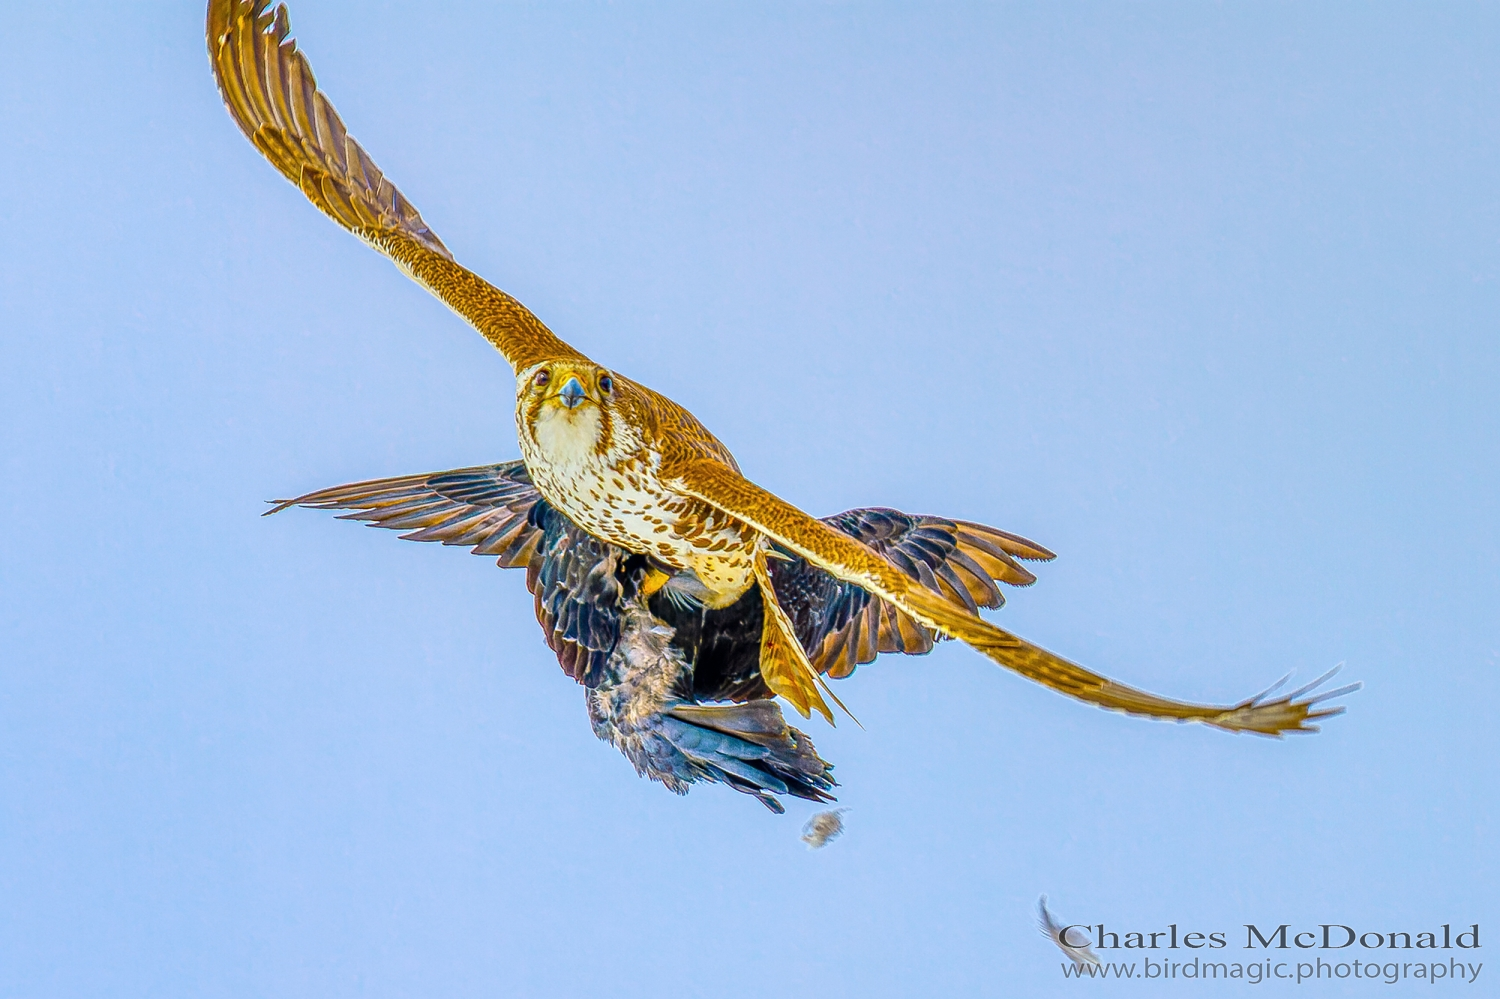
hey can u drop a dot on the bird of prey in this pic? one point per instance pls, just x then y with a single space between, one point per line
625 466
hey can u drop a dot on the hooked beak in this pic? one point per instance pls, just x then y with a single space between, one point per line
571 393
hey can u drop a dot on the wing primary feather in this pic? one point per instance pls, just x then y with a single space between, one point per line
1011 544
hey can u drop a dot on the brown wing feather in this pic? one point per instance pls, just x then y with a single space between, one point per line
487 508
270 92
847 559
783 663
843 626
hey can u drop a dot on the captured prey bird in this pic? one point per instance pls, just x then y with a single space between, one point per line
630 469
652 657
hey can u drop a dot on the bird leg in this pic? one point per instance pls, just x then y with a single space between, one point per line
653 580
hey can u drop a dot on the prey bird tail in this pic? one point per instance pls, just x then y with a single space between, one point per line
635 704
269 89
841 556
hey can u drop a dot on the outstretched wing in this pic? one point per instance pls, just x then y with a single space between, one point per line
487 507
842 626
725 490
495 510
269 89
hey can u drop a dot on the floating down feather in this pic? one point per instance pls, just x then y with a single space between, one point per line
823 828
1075 947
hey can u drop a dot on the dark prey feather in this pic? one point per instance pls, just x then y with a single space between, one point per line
651 664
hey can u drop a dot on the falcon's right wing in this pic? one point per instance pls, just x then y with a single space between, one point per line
269 89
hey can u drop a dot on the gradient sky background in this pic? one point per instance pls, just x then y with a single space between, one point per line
1203 298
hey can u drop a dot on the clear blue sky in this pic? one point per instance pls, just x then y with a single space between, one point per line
1204 298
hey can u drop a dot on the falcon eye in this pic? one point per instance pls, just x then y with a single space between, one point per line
606 384
542 378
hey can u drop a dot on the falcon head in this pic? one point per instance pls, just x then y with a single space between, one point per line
568 408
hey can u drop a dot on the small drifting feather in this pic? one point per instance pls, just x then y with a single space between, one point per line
822 828
1079 954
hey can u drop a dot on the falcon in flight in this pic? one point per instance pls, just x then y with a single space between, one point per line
640 534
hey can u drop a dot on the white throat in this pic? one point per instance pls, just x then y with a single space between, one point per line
568 438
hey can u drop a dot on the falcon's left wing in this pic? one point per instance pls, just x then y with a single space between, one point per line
725 490
843 626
